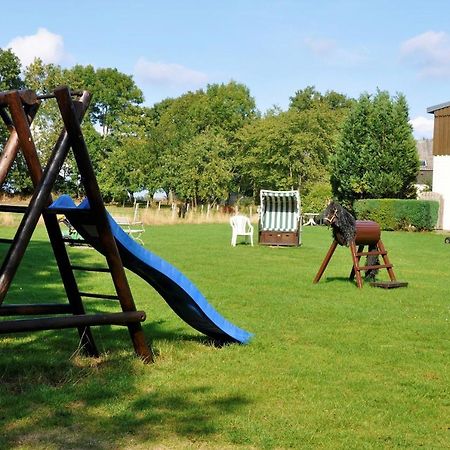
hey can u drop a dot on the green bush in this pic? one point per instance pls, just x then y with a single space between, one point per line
398 214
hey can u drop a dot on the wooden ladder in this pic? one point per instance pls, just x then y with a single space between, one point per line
373 250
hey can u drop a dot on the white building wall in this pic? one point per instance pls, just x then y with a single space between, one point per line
441 185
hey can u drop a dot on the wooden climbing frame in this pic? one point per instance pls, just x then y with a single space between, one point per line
17 110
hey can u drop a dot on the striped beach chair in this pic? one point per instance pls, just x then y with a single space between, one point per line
279 218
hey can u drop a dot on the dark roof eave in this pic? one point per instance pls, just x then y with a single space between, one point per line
432 109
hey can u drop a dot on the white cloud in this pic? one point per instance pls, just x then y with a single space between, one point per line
422 127
429 52
44 44
329 51
168 74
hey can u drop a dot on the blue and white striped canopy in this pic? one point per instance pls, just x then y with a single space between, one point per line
280 210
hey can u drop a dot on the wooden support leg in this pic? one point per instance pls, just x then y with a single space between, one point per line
356 270
386 260
325 261
87 342
358 258
12 146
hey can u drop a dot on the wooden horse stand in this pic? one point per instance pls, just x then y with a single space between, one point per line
367 233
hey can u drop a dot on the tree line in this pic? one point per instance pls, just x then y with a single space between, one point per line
213 144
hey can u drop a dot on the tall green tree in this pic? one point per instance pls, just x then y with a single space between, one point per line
376 155
285 150
204 170
187 122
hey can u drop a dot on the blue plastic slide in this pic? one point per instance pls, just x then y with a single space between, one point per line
176 289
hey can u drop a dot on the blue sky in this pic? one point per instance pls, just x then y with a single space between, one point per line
274 47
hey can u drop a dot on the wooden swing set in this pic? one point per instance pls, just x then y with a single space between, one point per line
17 110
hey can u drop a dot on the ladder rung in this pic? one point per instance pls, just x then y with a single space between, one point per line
380 266
6 241
104 296
373 252
91 269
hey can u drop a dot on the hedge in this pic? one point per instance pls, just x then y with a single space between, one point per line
398 214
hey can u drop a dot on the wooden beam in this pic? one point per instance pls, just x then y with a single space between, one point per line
58 323
27 97
41 308
12 146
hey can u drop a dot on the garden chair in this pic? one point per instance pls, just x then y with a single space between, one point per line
133 228
241 227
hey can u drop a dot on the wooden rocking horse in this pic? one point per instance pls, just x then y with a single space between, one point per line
352 233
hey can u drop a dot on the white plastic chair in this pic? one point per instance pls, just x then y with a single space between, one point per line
241 227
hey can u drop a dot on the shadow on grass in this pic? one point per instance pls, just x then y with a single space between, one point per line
342 280
50 396
49 401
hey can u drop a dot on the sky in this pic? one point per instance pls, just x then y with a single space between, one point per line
273 47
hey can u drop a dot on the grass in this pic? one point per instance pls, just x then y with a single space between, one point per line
330 366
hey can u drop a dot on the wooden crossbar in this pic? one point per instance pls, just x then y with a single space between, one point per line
29 309
103 296
374 253
91 269
58 323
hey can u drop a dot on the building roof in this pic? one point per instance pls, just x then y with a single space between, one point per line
434 108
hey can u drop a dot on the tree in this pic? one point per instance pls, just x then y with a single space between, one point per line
376 155
309 98
186 123
9 71
124 170
114 92
288 149
204 171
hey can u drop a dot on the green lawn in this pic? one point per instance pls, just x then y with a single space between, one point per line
330 366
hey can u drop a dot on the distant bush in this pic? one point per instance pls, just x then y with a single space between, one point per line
398 214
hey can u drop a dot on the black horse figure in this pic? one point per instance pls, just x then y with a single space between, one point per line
342 223
344 227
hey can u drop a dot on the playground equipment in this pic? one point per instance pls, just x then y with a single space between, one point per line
279 218
350 232
17 110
